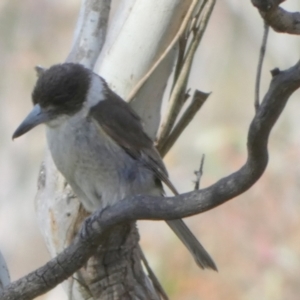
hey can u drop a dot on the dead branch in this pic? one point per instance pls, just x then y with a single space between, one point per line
199 174
259 66
197 101
176 99
278 18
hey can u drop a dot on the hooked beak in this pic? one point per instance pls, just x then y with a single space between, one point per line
35 117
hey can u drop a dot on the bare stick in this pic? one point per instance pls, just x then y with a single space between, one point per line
152 276
197 101
182 43
175 102
260 64
199 174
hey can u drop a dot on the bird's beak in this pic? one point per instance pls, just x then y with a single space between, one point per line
35 117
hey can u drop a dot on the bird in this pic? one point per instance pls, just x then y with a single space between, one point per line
98 143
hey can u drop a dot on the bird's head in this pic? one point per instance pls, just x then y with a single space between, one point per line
60 91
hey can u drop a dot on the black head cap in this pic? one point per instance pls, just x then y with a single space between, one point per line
62 88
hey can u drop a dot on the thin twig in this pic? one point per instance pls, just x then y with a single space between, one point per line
199 174
180 58
164 54
152 276
260 64
175 102
197 101
182 43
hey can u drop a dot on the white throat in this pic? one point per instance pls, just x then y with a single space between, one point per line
97 91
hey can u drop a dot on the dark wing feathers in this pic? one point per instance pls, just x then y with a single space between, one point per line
124 126
156 164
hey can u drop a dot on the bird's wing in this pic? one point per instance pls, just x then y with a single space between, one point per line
124 126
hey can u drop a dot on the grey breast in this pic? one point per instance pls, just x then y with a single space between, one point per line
99 171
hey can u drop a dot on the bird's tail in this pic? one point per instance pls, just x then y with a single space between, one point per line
200 255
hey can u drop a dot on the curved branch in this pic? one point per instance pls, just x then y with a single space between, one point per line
278 18
145 207
262 53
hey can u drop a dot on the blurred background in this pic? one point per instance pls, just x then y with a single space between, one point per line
254 239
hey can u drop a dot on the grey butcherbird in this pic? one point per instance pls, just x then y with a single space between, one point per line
98 143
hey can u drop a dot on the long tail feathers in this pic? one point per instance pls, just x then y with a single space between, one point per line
200 255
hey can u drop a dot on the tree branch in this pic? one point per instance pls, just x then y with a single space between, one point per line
176 99
197 101
259 66
278 18
199 174
98 225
